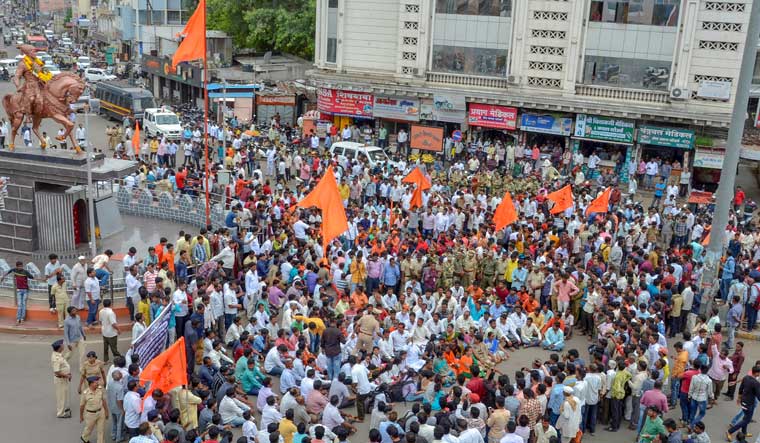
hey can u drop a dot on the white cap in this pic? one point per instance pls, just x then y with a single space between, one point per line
82 257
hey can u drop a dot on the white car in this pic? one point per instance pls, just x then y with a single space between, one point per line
97 75
53 68
162 122
83 62
372 154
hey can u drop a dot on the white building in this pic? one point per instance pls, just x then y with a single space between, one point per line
631 79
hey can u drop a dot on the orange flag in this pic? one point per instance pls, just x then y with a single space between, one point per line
136 139
601 204
562 198
326 197
193 47
505 213
418 178
168 370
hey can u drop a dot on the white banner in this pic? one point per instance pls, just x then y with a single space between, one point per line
153 340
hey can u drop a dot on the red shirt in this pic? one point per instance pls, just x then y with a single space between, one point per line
477 386
686 380
180 177
739 197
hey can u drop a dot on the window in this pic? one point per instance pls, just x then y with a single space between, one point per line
474 61
332 3
489 8
635 12
756 71
626 72
332 49
173 17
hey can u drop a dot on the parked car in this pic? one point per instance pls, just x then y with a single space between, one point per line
83 62
97 75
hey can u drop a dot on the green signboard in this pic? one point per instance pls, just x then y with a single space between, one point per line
670 137
611 129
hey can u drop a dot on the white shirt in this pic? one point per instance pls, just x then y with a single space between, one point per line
229 408
137 330
108 320
180 299
360 376
250 431
270 414
331 417
472 435
230 298
133 287
132 409
92 287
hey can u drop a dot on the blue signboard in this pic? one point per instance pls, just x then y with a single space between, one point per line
546 124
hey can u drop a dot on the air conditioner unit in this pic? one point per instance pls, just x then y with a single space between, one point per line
416 71
513 79
680 94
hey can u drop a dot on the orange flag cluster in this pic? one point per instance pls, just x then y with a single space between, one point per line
326 197
601 204
193 47
562 198
505 213
168 370
418 178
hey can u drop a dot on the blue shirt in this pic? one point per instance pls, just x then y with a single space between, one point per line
729 268
556 398
229 221
207 374
391 274
519 275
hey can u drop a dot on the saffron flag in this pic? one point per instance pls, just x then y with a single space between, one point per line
505 213
193 47
326 197
418 178
168 370
136 139
562 198
601 204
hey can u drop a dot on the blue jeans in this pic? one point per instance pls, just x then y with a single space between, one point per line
749 411
117 423
228 319
675 389
333 366
237 422
751 316
92 311
313 343
275 372
588 424
698 409
253 391
725 285
685 406
103 276
21 295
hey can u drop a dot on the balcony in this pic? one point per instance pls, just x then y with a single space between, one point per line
632 95
467 80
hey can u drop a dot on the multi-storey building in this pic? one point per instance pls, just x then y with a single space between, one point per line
627 79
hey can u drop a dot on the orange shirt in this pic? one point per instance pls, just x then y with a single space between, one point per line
358 301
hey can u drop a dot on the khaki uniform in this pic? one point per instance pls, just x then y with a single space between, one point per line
92 369
488 269
62 301
447 274
470 267
59 363
416 268
368 326
406 271
94 415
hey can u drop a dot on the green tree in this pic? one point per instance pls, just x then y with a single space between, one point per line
295 30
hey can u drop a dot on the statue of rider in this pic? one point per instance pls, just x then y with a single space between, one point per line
31 69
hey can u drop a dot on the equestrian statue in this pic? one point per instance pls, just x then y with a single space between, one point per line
42 95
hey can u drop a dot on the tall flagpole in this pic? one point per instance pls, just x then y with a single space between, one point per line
205 124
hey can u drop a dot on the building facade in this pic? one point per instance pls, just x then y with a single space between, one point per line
629 79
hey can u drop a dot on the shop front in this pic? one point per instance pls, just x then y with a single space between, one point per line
395 114
449 111
666 145
708 162
609 138
492 123
546 130
279 106
173 85
346 107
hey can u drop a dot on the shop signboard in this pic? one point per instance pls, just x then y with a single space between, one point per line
449 108
546 124
716 90
407 109
669 137
708 159
348 103
492 116
427 138
276 100
594 127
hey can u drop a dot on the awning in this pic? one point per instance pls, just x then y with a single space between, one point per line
231 95
601 141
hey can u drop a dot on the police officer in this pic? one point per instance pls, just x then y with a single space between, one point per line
61 380
93 410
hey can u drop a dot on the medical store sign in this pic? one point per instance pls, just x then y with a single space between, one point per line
669 137
492 116
594 127
342 102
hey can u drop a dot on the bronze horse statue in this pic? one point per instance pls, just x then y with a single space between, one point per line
58 94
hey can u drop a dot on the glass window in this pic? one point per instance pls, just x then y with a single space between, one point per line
483 8
332 3
626 72
332 47
475 61
635 12
173 17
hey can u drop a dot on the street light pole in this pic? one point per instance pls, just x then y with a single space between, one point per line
724 194
90 193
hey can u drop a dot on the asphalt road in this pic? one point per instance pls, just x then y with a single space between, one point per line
30 398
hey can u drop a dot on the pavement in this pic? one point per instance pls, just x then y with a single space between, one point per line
29 389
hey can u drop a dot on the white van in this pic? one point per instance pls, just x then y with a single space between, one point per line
10 64
161 122
372 154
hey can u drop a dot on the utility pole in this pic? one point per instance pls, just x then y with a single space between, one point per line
89 151
725 193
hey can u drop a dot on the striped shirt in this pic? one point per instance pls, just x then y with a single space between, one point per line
701 388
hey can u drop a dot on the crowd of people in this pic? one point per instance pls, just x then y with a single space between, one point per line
410 317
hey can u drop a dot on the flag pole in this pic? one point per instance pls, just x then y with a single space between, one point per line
205 125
